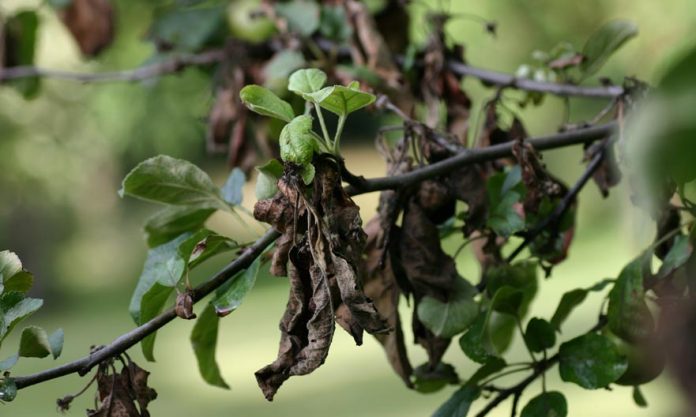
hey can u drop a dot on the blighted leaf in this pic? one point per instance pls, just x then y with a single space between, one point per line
34 343
173 221
91 23
638 397
591 361
8 389
571 299
183 307
604 42
20 41
427 379
302 15
628 314
204 341
56 341
342 100
296 141
546 404
187 29
447 319
304 82
232 190
230 296
262 101
505 192
267 180
164 179
540 335
677 256
459 403
492 365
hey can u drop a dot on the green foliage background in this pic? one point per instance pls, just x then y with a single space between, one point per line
63 156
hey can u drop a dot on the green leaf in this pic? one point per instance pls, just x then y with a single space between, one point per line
232 190
474 342
628 314
305 82
8 363
676 257
21 34
296 141
591 361
508 300
540 335
427 379
638 397
163 266
12 276
505 191
262 101
267 180
34 343
279 67
8 389
188 29
302 16
459 403
56 341
571 299
208 245
204 341
493 364
308 172
173 221
546 404
230 296
447 319
604 42
342 100
152 303
164 179
15 308
334 23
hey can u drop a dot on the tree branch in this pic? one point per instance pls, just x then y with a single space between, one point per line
467 157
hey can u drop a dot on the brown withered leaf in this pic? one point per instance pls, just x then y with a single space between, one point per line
118 393
91 23
184 306
468 184
608 174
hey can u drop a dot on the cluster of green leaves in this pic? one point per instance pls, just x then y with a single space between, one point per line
298 140
15 306
564 63
179 242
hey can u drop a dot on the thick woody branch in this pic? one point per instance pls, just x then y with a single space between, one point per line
468 157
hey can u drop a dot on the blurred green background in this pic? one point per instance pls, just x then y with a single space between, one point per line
63 156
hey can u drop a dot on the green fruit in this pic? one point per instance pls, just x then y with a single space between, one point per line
246 23
644 363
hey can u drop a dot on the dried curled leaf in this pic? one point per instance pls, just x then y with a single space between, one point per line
91 22
124 394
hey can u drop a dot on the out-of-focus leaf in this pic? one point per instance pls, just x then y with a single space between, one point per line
173 221
20 47
302 15
474 342
638 397
34 343
296 141
591 361
676 257
546 404
508 300
267 180
571 299
505 191
604 42
452 317
262 101
628 314
91 23
540 335
334 23
188 29
428 380
492 365
459 403
204 341
8 363
232 190
230 296
56 341
278 69
164 179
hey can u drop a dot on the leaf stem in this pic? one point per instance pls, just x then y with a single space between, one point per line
519 327
324 130
339 131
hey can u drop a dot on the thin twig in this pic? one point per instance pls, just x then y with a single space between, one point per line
122 343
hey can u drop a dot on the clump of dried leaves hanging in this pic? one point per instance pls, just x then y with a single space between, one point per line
320 251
